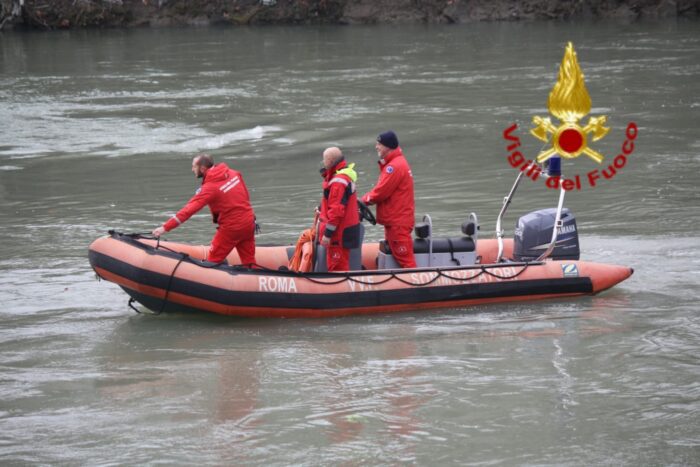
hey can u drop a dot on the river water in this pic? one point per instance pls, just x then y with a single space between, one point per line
98 129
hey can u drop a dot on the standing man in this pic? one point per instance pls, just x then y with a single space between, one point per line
224 191
340 222
393 195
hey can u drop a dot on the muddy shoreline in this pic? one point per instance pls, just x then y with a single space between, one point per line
75 14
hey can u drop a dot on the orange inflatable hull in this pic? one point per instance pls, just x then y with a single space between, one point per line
172 277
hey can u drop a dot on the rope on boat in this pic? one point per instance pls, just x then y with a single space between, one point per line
130 304
132 300
439 273
183 257
346 276
170 282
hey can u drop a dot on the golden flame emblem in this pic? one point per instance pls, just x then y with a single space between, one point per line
569 101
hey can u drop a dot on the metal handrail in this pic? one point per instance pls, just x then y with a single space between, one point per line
556 228
429 221
506 203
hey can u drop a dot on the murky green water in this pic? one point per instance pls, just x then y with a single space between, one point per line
98 129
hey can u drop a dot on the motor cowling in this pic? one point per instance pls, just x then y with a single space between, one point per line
533 234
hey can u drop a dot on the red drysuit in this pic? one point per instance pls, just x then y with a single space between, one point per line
224 190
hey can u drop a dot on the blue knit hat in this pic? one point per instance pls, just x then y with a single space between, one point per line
388 139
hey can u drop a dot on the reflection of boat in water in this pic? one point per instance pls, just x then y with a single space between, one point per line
540 262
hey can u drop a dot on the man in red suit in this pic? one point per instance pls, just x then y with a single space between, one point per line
225 192
340 223
393 195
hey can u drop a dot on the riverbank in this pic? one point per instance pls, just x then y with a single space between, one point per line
70 14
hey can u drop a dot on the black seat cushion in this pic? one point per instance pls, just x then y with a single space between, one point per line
445 245
440 245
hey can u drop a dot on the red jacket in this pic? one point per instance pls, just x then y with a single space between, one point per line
339 215
224 190
393 193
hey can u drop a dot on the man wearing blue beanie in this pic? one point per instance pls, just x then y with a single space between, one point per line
393 195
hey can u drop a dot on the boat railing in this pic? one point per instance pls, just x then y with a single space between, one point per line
557 220
556 229
499 229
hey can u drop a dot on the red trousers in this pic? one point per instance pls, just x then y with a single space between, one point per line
226 239
337 258
401 244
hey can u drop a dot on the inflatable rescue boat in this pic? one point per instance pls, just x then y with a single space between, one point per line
541 261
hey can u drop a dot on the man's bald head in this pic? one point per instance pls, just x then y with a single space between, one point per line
205 160
331 157
201 163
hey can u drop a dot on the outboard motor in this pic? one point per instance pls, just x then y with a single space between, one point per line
533 234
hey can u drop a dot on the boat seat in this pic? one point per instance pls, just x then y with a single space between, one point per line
436 252
440 245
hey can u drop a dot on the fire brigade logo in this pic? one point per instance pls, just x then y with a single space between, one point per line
569 102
